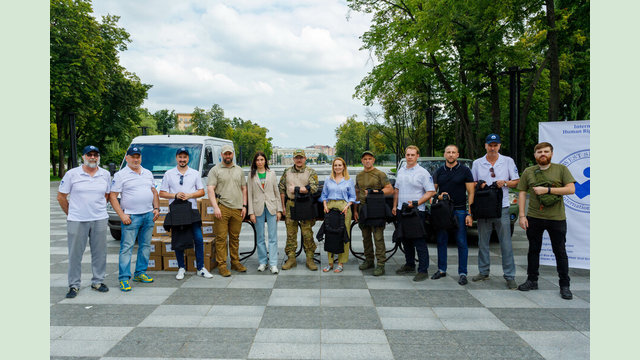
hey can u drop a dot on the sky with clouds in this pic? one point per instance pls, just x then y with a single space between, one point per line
290 66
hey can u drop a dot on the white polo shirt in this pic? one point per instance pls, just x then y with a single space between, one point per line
190 183
135 190
505 169
412 184
86 194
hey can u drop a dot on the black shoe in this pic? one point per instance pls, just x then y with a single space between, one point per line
463 280
421 276
528 285
438 274
406 269
565 293
73 291
100 287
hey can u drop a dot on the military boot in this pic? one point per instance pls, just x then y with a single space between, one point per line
379 270
290 263
311 264
367 264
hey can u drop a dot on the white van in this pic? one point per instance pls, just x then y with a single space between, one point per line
159 155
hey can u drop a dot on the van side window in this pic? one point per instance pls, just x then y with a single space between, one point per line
208 159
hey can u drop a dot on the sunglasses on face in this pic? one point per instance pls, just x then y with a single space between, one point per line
181 179
92 155
493 173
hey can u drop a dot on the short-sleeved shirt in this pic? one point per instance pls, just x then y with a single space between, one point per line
136 196
344 190
191 182
87 200
453 181
373 179
560 176
412 184
504 168
228 181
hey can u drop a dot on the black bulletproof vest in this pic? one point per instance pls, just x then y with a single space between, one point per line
304 208
375 211
487 202
411 223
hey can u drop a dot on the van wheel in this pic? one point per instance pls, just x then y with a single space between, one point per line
117 234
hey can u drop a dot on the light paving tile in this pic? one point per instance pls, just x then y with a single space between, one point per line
389 282
80 348
391 323
295 292
558 345
171 321
58 250
301 336
252 281
56 332
552 299
406 312
356 351
344 293
217 321
284 351
296 301
503 299
352 336
194 310
232 310
96 332
347 301
200 282
469 319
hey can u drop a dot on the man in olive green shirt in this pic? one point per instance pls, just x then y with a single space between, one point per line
371 178
227 191
545 183
304 177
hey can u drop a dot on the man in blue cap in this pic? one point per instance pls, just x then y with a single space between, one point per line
502 170
83 195
137 209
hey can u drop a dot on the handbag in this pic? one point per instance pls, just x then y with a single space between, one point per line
442 214
541 180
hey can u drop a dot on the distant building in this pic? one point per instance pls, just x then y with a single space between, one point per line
184 120
284 156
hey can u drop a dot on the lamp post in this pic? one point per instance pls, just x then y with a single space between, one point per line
514 109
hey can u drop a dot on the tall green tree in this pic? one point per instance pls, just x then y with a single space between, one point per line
351 139
165 120
220 125
249 137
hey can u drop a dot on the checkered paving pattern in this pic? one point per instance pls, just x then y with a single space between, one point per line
299 314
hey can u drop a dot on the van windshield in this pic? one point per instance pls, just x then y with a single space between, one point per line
159 158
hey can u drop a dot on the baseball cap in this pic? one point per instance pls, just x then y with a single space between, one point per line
493 138
366 152
134 150
299 152
227 148
90 148
182 150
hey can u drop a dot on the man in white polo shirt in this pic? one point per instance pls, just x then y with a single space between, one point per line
82 195
502 170
138 209
413 183
183 182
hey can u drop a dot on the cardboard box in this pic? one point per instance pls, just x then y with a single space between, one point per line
166 247
206 210
207 229
169 263
163 205
158 229
156 246
191 262
155 263
207 245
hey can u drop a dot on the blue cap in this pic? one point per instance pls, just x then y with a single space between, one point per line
134 150
493 138
90 148
182 150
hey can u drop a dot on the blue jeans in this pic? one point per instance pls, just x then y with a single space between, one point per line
503 229
140 228
412 246
272 227
198 247
461 242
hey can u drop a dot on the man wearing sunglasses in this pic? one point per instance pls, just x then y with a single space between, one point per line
183 182
502 170
83 195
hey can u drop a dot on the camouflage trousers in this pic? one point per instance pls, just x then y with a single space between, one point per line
292 233
378 236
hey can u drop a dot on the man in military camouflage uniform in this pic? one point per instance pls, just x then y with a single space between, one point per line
307 179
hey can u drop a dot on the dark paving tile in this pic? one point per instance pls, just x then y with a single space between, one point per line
582 294
526 319
153 335
427 352
405 298
99 315
485 337
297 282
215 349
488 352
427 337
340 281
351 317
449 298
578 318
73 358
214 296
291 317
62 268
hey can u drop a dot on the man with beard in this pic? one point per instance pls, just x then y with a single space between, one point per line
138 209
227 191
455 180
183 182
501 170
546 183
87 188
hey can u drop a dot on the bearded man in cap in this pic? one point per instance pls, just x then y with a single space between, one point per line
83 195
306 179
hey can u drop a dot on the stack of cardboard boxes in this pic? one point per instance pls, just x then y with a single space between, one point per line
163 258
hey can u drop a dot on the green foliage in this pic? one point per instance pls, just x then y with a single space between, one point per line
165 120
351 140
249 137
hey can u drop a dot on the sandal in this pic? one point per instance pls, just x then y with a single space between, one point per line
338 269
327 268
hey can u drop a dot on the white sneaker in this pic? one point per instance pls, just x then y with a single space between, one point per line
262 267
274 269
180 274
204 273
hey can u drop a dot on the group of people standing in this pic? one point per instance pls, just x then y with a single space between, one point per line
84 191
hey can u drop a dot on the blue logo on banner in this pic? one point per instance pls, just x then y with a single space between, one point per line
579 163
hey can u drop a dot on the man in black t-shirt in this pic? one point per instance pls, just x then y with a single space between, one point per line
456 180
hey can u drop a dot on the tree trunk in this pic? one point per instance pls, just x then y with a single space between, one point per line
52 158
554 62
495 103
527 108
61 136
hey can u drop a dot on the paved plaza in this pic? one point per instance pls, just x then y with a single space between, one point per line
299 314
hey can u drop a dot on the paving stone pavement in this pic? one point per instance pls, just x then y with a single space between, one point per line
299 314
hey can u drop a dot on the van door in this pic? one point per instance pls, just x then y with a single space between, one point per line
208 162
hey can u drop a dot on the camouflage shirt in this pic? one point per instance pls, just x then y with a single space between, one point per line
312 181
